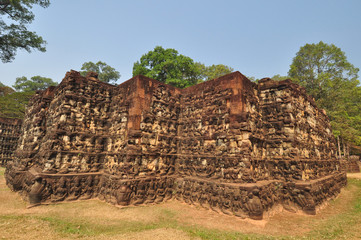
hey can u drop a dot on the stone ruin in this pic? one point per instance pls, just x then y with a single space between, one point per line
9 136
228 144
353 164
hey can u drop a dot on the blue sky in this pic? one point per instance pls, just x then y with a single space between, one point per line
257 38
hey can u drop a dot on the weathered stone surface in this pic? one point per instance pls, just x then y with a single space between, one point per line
9 134
353 164
228 144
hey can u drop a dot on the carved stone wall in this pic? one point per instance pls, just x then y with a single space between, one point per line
353 164
9 134
228 144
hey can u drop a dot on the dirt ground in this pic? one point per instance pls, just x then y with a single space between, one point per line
93 219
354 175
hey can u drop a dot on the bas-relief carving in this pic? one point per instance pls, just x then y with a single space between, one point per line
229 145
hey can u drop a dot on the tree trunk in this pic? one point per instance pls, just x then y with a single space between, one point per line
339 147
348 150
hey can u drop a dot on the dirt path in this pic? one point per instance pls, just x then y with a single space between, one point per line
354 175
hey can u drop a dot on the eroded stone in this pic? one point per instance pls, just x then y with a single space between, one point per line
228 144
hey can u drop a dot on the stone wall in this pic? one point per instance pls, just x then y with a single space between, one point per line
353 164
10 129
228 144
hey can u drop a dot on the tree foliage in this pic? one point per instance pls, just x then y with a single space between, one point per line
252 79
326 74
5 90
13 105
35 83
213 71
320 67
106 73
168 66
278 77
13 32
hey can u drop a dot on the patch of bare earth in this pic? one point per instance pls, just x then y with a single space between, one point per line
354 175
155 234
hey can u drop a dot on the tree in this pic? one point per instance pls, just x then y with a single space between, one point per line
326 74
106 73
35 83
168 66
253 79
213 71
318 67
14 35
13 105
278 77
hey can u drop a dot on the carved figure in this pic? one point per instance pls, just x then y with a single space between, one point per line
228 144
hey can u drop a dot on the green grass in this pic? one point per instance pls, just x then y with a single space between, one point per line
209 234
80 228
